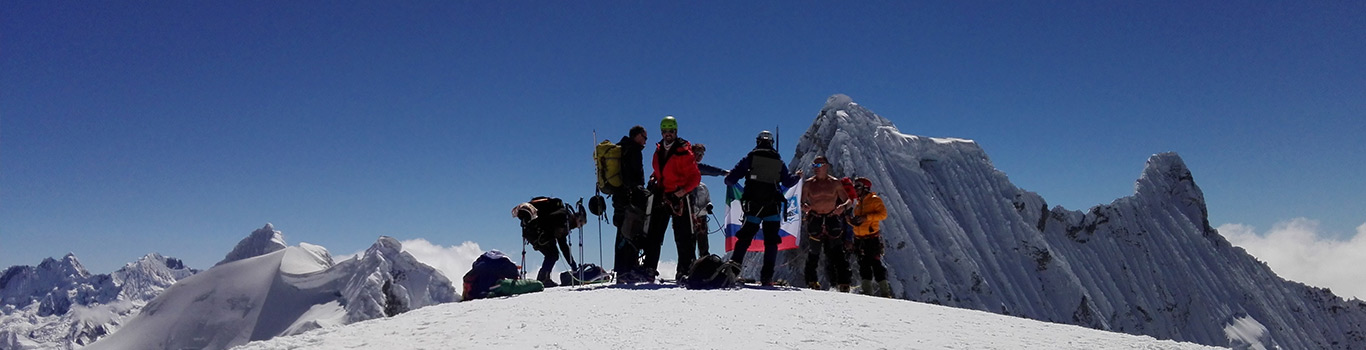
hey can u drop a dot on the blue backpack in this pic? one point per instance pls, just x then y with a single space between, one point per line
485 273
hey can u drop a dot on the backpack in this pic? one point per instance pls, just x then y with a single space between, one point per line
765 168
765 174
553 220
607 163
485 273
590 273
711 272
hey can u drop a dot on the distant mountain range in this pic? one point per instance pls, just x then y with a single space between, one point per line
262 289
60 305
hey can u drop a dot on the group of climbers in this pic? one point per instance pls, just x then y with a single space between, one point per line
840 216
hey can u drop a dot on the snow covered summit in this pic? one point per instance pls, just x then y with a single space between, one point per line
960 234
285 291
661 317
262 241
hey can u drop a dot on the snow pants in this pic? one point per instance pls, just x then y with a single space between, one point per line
684 239
630 223
826 234
770 218
869 251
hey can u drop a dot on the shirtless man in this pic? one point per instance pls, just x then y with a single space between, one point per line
824 201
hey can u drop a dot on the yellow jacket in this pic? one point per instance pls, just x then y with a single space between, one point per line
871 209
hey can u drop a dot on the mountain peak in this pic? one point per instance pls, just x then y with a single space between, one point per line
386 246
838 101
262 241
1162 172
1167 179
959 233
69 266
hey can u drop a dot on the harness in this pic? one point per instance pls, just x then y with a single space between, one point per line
825 229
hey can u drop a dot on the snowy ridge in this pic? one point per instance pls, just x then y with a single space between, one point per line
960 234
149 276
662 317
286 291
60 305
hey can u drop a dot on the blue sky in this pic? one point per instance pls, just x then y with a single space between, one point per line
179 127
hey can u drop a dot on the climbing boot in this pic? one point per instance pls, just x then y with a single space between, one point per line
866 288
844 288
814 285
886 289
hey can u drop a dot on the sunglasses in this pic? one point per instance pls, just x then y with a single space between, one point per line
668 131
817 165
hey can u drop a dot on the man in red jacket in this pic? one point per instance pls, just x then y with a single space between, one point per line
675 175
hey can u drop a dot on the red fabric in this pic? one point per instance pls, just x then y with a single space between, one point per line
849 188
681 170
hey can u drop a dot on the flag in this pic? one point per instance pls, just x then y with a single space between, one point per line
790 231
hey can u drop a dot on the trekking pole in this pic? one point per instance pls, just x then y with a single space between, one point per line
596 193
601 259
579 206
524 242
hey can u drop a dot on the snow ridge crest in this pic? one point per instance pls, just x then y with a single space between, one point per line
263 241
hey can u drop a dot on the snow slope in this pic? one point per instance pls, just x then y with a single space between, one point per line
60 305
672 318
960 234
282 291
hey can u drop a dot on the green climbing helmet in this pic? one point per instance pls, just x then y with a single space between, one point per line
669 123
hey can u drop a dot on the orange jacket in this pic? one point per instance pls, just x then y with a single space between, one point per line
871 209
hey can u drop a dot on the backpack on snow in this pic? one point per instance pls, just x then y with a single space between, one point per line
711 272
607 162
485 273
587 273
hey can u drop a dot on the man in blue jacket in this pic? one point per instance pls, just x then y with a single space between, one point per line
762 202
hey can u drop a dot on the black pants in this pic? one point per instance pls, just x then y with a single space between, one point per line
551 256
767 216
869 250
630 223
684 239
826 233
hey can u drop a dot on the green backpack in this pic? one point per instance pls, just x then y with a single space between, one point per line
607 161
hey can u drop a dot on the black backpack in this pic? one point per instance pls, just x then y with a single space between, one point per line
552 218
587 273
712 272
765 174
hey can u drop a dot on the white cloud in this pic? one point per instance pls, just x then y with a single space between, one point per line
453 261
1297 251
